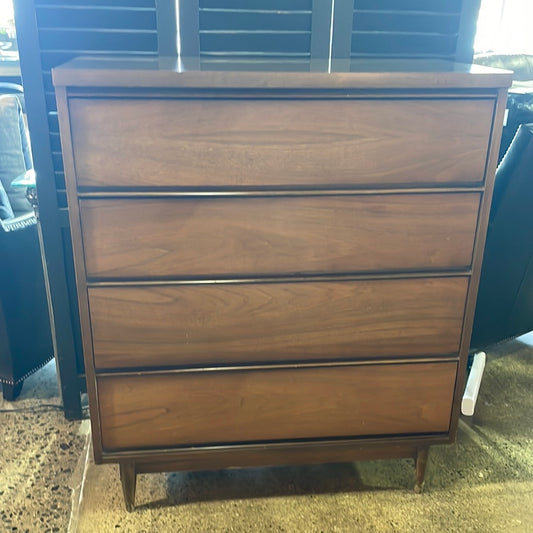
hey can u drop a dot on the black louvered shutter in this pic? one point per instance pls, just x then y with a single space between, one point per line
50 32
75 27
442 29
260 28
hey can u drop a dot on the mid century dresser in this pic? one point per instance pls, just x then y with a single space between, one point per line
276 263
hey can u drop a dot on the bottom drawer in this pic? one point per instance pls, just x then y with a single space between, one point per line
221 406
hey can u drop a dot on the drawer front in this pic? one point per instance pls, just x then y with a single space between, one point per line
222 323
171 142
261 236
144 411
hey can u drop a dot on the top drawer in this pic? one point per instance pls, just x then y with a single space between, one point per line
271 143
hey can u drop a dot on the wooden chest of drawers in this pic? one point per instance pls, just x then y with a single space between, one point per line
276 266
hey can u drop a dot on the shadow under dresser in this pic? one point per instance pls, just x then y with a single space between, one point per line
276 263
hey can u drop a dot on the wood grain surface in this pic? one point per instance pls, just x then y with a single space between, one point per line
141 72
222 323
260 236
203 142
281 264
281 453
238 406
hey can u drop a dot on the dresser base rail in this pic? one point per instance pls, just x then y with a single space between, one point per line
267 455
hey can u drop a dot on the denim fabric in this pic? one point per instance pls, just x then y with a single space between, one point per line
25 138
14 151
5 206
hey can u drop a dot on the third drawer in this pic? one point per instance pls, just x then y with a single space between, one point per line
172 325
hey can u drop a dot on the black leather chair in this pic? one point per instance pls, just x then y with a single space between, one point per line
504 306
25 334
520 98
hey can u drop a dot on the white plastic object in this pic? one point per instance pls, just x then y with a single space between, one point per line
472 385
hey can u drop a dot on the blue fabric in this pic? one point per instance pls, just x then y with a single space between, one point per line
14 152
25 139
5 206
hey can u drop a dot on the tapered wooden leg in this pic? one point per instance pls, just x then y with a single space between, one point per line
421 462
128 478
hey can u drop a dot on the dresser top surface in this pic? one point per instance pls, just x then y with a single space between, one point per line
165 72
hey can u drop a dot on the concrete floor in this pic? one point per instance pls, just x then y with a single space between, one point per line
482 483
39 453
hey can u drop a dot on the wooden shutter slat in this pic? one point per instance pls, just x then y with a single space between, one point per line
217 20
257 42
446 6
414 23
96 17
91 3
400 43
268 5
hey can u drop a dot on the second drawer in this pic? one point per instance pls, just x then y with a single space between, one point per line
277 235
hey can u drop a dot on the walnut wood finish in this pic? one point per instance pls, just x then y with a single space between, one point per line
421 461
241 406
277 453
242 455
141 72
246 236
203 142
218 323
289 256
128 479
